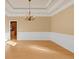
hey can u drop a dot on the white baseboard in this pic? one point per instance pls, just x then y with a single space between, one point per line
66 41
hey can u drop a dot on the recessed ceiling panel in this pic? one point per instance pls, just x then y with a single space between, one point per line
24 3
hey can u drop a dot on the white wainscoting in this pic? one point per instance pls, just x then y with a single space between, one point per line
33 35
66 41
7 36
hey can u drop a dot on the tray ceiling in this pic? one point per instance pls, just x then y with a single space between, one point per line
38 7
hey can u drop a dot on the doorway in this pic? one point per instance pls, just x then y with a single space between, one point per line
13 30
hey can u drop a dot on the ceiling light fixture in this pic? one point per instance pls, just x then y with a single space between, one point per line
29 17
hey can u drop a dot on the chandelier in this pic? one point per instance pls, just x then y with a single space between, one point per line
29 17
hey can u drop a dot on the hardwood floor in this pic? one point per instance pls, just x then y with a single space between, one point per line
37 50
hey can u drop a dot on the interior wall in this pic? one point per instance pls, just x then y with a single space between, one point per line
40 24
63 22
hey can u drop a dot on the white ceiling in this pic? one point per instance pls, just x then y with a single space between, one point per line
38 7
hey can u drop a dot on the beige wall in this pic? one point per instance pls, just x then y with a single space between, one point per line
63 22
6 24
40 24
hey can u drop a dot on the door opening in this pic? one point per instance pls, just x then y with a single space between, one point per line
13 30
